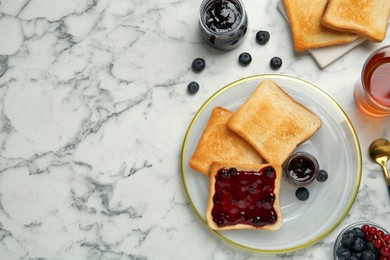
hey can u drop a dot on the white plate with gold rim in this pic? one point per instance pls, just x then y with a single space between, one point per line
335 145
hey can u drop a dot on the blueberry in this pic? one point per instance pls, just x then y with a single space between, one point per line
269 171
198 64
271 197
302 193
359 245
368 255
262 37
192 87
256 220
274 218
232 171
225 173
275 63
370 246
348 239
252 189
217 198
323 176
245 58
358 232
343 253
220 221
358 255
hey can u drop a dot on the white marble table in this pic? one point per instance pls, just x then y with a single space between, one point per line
93 112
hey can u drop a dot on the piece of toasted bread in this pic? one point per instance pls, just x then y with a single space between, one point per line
218 143
273 122
235 203
307 30
367 18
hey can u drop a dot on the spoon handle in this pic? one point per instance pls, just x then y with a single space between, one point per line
387 177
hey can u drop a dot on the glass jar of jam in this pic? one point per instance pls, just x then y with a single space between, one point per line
301 168
223 23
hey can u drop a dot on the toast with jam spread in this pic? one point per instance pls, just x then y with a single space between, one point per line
244 196
367 18
307 30
273 122
218 143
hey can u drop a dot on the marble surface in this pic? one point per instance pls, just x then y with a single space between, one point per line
93 113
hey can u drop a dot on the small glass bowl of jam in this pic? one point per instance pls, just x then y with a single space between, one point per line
223 23
301 168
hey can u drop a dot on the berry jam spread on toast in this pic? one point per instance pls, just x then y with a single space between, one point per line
244 197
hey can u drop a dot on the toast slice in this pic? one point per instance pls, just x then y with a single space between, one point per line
244 197
307 30
273 122
367 18
218 143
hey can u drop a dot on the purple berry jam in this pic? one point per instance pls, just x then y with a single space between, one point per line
223 23
222 16
244 197
301 168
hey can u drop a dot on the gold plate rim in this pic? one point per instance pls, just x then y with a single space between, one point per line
357 147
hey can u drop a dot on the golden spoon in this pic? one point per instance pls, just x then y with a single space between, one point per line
379 151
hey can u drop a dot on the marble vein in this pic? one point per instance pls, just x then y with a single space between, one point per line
93 112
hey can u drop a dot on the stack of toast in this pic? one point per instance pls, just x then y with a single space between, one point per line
219 143
263 132
321 23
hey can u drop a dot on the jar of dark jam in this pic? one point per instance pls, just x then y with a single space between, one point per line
301 168
223 23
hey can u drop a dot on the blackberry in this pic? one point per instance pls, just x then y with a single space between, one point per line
262 37
192 87
302 193
275 63
198 64
323 176
245 58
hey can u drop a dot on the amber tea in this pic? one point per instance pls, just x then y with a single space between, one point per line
372 92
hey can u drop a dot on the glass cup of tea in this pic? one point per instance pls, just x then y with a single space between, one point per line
372 91
223 23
